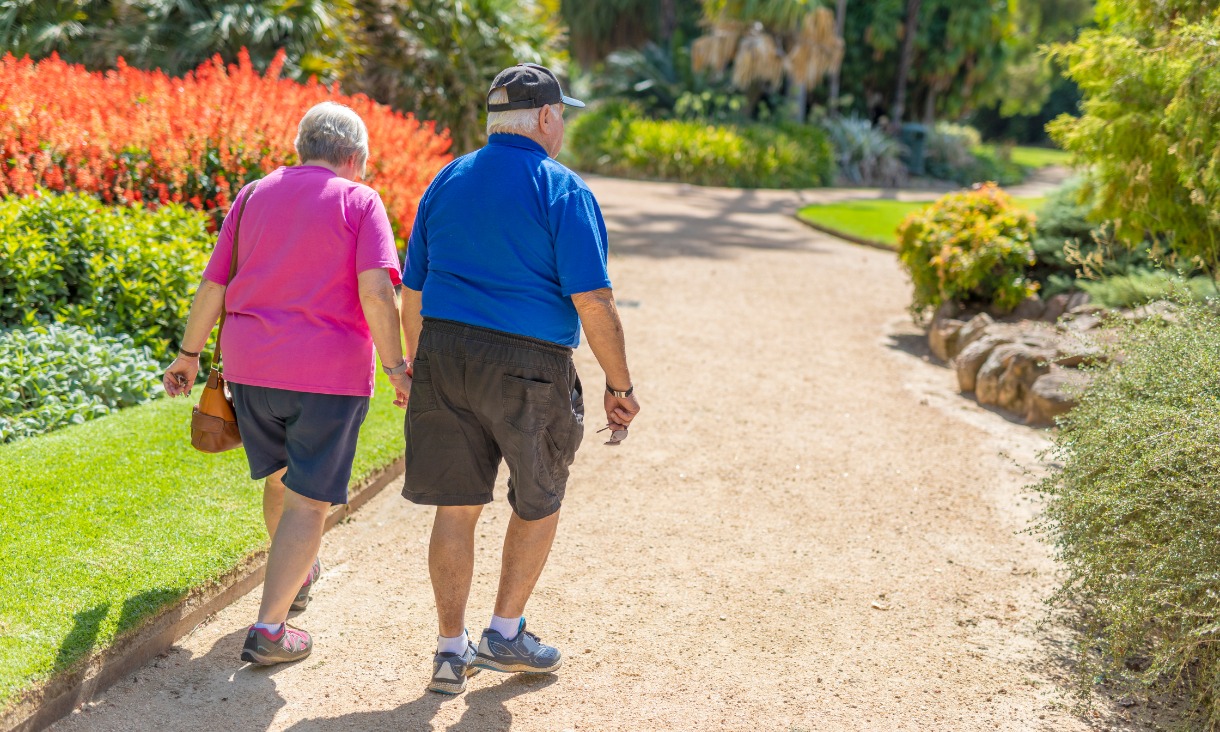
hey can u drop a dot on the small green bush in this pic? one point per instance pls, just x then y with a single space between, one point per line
70 259
969 247
617 139
55 375
1143 286
1133 509
865 154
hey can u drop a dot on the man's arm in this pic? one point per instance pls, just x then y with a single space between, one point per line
604 330
380 307
412 319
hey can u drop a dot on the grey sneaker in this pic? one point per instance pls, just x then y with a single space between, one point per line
301 601
265 649
450 671
524 653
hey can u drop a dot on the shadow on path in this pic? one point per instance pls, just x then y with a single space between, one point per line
486 708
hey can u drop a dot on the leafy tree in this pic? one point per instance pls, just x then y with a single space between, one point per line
178 35
437 58
1150 76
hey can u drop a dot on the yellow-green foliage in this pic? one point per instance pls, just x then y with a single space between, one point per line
618 139
969 247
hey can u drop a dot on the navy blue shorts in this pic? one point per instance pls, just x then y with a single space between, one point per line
313 435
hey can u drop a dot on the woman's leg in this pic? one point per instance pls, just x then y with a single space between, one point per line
296 542
273 500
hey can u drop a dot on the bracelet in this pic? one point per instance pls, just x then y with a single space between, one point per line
188 354
399 369
620 394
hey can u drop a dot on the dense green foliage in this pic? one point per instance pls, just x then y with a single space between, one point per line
617 139
664 86
597 29
970 248
954 152
103 524
1150 76
865 154
437 58
178 35
1143 286
69 259
1133 507
55 375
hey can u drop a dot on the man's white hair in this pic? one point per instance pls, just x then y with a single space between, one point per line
514 121
332 132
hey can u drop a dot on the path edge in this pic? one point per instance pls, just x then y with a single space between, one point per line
871 243
60 695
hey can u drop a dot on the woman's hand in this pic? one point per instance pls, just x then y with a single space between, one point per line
180 376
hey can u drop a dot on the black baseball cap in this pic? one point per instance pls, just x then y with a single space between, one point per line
529 86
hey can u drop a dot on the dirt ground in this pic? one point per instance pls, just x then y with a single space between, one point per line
806 530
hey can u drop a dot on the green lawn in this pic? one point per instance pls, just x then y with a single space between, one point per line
874 219
1037 157
104 523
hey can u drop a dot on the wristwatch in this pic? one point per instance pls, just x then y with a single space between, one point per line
620 394
399 369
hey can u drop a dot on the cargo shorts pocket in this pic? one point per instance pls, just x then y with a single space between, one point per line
423 394
527 403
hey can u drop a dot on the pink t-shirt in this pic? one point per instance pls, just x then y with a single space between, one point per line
294 316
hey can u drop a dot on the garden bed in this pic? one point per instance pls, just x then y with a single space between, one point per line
99 538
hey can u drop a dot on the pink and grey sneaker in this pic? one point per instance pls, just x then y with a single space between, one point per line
266 648
302 599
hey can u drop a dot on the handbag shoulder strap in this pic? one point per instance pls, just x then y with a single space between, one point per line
232 271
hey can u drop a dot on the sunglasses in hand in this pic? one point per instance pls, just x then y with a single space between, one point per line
616 436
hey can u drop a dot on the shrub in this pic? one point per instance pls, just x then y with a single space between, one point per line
956 153
1144 286
968 247
132 136
865 154
1133 507
55 375
617 139
70 259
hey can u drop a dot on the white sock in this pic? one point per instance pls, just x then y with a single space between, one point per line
507 627
272 628
452 645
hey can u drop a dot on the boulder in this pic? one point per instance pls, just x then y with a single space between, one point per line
1031 308
973 330
1081 322
1053 394
942 337
1062 303
1005 378
972 357
1163 309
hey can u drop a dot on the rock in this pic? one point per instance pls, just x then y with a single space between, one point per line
971 359
1075 350
1029 309
1081 322
1054 394
972 331
942 337
1163 309
1005 378
1056 305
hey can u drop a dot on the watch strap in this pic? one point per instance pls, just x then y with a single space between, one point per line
399 369
620 394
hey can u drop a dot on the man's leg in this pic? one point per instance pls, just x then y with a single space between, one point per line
273 500
527 544
296 543
451 564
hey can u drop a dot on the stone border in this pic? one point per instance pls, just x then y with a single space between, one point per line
873 244
56 698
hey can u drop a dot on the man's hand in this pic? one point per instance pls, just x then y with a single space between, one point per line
402 388
180 376
620 411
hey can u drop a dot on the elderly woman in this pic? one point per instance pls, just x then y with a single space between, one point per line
312 295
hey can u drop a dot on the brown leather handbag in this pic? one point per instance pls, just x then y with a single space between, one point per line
213 421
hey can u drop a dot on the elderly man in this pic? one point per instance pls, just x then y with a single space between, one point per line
506 261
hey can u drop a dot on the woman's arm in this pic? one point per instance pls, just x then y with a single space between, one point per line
205 311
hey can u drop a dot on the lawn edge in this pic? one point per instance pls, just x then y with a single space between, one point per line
54 699
872 243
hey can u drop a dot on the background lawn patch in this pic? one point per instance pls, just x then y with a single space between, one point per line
103 524
874 219
1040 157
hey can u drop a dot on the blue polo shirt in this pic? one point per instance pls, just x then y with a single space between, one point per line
503 238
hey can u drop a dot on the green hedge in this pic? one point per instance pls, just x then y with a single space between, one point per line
1134 508
70 259
103 524
56 375
617 139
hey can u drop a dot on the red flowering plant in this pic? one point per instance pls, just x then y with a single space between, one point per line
132 136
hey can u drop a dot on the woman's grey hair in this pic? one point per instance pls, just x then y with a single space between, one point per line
514 121
335 133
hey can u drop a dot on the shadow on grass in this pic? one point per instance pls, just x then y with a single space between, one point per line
486 708
81 640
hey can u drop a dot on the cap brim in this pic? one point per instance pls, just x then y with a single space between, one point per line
569 101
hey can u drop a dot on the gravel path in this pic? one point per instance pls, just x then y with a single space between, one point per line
807 530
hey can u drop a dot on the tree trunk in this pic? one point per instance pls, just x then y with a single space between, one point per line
800 96
840 24
904 63
669 20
